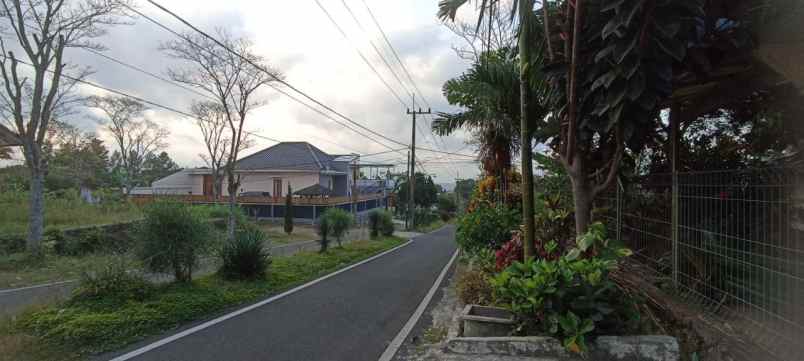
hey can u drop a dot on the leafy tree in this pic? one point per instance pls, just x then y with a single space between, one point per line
79 160
339 222
156 167
606 80
464 189
289 211
426 191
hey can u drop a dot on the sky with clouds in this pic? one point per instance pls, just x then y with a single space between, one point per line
297 38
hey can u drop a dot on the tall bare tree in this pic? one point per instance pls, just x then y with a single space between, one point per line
31 98
213 124
232 80
135 137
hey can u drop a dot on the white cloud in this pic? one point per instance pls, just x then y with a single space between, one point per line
297 38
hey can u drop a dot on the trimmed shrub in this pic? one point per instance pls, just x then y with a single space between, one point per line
113 282
172 237
486 227
339 222
512 251
12 243
374 223
386 224
245 257
571 296
323 229
381 222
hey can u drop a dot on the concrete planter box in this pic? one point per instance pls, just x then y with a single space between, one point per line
481 321
604 348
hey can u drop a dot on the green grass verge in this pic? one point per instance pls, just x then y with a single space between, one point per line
75 329
277 236
63 213
431 227
20 269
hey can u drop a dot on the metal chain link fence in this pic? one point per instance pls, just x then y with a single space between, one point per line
736 247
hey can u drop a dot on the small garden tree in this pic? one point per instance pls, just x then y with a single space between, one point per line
323 228
339 221
289 211
172 238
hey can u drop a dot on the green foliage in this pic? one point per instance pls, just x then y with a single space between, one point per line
446 206
571 296
425 189
112 281
289 211
96 325
338 222
552 182
464 189
63 209
380 222
245 257
423 218
172 237
487 227
157 166
324 229
554 224
490 92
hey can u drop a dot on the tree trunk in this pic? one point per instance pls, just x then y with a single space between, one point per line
525 10
36 221
232 223
582 193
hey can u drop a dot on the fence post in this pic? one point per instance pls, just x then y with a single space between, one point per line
675 117
619 213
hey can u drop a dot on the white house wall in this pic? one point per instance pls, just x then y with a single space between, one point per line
181 182
264 182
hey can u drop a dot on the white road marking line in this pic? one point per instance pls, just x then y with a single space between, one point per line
241 311
12 290
396 343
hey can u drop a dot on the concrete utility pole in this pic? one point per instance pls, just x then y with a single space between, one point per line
411 179
407 213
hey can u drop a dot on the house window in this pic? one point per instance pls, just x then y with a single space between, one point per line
277 187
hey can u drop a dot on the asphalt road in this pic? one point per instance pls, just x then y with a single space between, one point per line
352 316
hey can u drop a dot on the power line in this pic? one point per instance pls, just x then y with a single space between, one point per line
398 59
376 50
143 71
261 68
360 53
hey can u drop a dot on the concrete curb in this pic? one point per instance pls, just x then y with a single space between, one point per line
604 348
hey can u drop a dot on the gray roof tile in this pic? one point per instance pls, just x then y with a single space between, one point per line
291 156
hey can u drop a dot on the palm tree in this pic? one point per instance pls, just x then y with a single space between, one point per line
489 93
528 47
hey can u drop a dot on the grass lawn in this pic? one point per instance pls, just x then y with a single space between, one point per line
62 213
276 233
74 330
19 269
430 227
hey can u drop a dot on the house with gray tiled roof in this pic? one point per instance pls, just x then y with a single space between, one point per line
307 169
